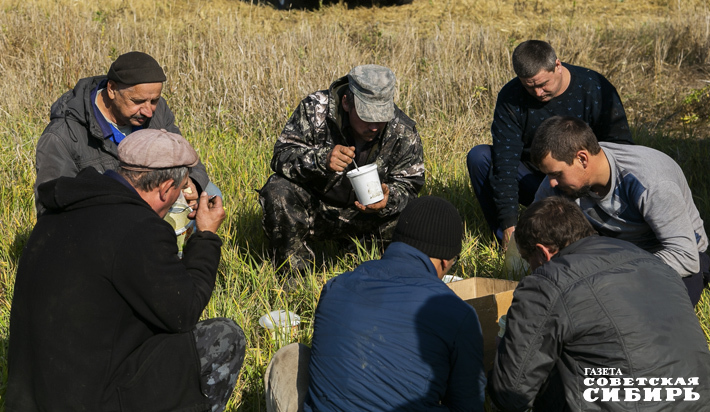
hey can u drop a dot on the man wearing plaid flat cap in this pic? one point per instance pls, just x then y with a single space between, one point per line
88 123
353 123
104 314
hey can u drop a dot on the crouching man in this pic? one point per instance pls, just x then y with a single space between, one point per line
390 335
601 323
105 315
332 132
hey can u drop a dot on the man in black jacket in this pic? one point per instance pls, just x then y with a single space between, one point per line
105 315
606 320
88 122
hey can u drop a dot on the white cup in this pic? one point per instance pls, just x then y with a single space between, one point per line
366 183
183 226
451 278
282 325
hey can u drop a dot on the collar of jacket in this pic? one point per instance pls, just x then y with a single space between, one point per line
401 250
576 246
87 189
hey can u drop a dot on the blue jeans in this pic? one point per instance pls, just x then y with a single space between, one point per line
212 190
479 166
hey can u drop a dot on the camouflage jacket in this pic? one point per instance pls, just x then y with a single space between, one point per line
319 123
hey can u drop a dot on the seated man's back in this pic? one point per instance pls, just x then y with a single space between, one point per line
392 336
613 320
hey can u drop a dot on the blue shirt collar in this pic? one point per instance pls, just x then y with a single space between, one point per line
399 250
108 130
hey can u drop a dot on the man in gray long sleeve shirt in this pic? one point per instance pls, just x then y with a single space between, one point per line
633 193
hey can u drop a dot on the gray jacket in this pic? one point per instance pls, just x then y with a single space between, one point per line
603 309
73 140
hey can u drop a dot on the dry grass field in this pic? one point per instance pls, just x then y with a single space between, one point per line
237 69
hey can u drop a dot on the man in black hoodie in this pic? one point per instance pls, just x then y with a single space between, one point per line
105 315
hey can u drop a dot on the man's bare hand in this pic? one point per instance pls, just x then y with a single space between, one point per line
340 157
190 193
210 213
375 207
507 234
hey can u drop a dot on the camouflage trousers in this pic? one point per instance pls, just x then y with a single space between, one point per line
220 345
292 215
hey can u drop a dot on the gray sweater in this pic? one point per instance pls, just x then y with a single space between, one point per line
650 205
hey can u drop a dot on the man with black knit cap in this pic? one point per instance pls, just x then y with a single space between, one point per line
390 335
88 122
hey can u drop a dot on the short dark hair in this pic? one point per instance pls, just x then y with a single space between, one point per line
562 137
555 222
147 181
532 56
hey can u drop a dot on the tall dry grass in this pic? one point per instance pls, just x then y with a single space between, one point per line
236 71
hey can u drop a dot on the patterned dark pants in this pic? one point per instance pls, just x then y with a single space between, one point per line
292 215
220 345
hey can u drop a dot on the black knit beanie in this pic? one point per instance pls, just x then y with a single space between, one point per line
432 225
135 68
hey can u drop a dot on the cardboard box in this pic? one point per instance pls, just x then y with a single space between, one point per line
491 298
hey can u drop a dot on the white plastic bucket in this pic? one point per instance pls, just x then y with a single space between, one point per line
366 183
282 325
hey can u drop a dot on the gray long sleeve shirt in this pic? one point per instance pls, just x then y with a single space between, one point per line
649 205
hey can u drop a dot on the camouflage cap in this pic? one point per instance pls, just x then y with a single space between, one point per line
373 89
150 149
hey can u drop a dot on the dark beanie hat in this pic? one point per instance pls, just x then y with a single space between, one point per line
432 225
136 68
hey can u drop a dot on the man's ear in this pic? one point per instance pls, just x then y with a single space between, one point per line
545 252
164 188
583 157
344 103
111 89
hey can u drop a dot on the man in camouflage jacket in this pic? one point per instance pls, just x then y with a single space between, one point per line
354 122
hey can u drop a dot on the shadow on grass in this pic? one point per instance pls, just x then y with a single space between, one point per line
7 279
244 231
15 251
253 395
4 344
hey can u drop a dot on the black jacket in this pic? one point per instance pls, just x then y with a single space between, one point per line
73 140
103 307
601 303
